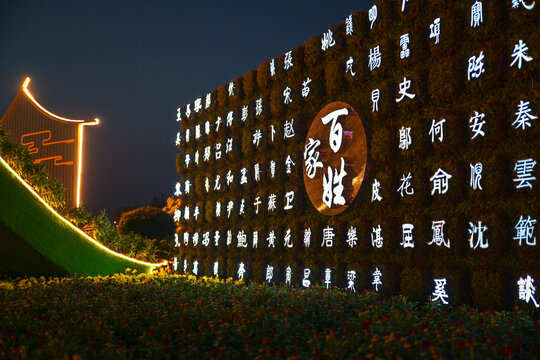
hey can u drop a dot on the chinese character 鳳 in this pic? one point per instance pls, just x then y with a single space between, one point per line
287 61
269 273
231 88
327 40
524 230
477 230
288 275
438 234
328 277
375 187
405 187
271 239
440 181
437 129
476 176
523 169
307 237
349 65
476 14
311 158
523 115
333 195
477 122
289 197
440 292
376 238
375 96
515 4
328 237
374 58
377 278
372 15
351 277
241 271
435 30
527 289
352 238
305 281
404 137
349 25
288 129
403 87
476 66
407 236
404 43
305 87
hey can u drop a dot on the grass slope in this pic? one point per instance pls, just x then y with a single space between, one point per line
35 240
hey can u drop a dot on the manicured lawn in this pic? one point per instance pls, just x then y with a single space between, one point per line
170 317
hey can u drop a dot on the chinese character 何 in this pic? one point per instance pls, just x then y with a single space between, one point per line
335 156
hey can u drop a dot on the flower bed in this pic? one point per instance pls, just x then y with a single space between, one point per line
164 316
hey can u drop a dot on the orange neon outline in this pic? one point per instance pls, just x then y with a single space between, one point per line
32 149
81 123
152 266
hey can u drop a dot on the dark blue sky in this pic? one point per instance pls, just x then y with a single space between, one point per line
132 63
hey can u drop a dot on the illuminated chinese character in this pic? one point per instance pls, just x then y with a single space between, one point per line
217 236
218 209
349 65
437 130
328 277
523 115
216 269
305 281
177 215
178 114
288 239
307 237
188 110
336 130
403 87
255 239
207 184
242 207
185 265
311 158
375 95
271 239
476 14
241 271
376 238
287 62
176 240
435 29
229 237
197 131
515 4
196 157
272 169
207 153
258 107
289 163
244 113
287 95
175 264
440 181
477 123
257 136
197 106
206 238
186 213
196 213
289 197
187 186
440 292
374 58
476 176
218 122
230 207
195 268
208 101
269 273
523 169
207 127
333 186
477 230
438 234
327 40
271 202
272 68
352 238
230 118
377 278
195 239
288 129
404 43
243 176
217 183
231 88
527 289
256 204
524 230
178 139
405 137
407 236
372 15
375 191
272 132
242 239
305 87
351 277
328 237
349 25
187 159
288 275
177 191
186 240
476 66
256 172
187 135
405 187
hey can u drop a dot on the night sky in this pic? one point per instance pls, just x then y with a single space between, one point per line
132 63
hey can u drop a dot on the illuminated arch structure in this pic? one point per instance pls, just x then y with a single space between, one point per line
54 141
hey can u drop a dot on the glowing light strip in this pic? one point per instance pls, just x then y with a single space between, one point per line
6 165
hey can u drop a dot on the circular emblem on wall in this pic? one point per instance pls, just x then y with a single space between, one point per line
335 156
